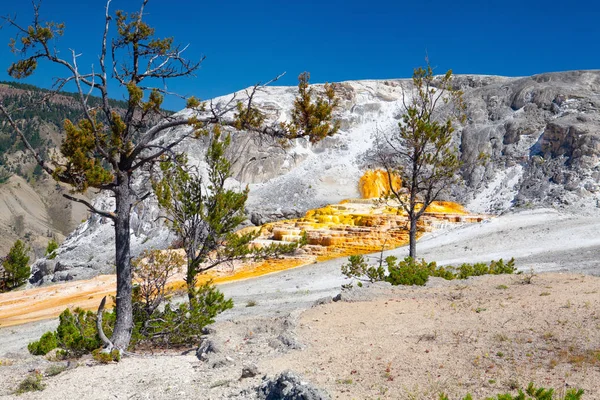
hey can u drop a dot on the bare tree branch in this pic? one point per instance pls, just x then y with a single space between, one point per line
93 209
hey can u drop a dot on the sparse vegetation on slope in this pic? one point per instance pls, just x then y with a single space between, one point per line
414 272
31 383
174 325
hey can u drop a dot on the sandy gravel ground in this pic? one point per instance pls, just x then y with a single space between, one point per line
481 336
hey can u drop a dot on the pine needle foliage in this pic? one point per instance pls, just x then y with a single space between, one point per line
50 252
14 270
420 151
313 119
417 272
75 335
205 214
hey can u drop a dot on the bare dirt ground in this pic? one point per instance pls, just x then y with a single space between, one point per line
484 335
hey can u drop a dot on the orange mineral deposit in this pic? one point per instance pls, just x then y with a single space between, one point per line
375 184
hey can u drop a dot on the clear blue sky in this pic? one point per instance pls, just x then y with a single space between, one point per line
254 40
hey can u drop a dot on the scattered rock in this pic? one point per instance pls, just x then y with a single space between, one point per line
322 301
208 330
221 362
337 297
289 386
249 371
207 346
52 355
285 341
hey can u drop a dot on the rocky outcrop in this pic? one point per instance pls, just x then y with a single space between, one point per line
547 125
289 386
527 141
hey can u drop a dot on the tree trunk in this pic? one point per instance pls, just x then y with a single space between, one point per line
190 279
124 324
412 241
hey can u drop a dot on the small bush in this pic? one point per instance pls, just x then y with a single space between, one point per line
51 250
357 267
106 358
412 272
408 271
182 325
76 334
531 393
478 269
176 325
31 383
54 370
47 343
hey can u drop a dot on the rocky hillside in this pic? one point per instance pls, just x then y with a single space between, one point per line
32 207
540 136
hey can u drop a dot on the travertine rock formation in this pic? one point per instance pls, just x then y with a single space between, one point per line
539 137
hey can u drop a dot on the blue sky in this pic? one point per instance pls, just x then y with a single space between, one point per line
249 41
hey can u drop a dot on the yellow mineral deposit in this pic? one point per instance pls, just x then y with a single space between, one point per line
359 226
375 184
355 226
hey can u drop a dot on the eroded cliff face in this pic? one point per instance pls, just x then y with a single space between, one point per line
539 137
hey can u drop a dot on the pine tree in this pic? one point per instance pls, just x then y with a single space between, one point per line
108 147
16 270
312 119
420 150
205 214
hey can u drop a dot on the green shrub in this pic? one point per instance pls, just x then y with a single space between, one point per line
412 272
442 272
51 250
408 271
357 267
495 268
178 325
106 357
54 370
76 334
531 393
31 383
182 325
47 343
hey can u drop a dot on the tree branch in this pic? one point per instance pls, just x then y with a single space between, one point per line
93 209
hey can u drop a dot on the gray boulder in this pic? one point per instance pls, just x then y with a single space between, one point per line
289 386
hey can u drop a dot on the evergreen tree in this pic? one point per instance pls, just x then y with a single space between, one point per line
420 150
205 215
50 249
16 270
107 148
312 119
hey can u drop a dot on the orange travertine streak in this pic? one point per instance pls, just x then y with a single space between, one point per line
23 306
355 226
375 184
